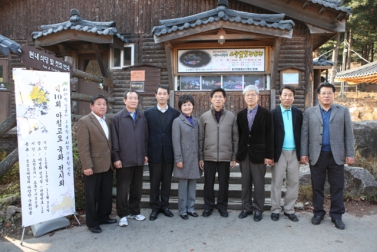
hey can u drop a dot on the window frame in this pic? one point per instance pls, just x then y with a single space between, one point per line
132 46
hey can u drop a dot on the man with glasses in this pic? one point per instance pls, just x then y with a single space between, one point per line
218 139
327 144
255 151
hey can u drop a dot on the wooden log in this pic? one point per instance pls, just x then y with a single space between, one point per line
86 98
8 162
8 124
91 77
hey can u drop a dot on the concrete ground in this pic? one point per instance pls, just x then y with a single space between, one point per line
214 233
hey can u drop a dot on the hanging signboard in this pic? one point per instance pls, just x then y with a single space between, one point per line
32 57
44 145
221 60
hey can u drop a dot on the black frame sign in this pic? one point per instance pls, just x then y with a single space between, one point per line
221 60
32 57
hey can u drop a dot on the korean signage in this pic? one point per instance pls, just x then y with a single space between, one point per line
221 60
32 57
44 145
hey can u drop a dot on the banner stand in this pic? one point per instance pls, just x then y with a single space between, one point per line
48 226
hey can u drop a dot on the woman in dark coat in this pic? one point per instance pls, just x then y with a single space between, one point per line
185 134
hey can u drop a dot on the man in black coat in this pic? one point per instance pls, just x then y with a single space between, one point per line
160 148
287 131
255 151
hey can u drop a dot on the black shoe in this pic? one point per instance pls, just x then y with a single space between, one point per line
275 216
339 224
292 217
109 221
244 214
184 216
95 230
153 215
193 214
257 216
316 220
223 212
207 213
166 212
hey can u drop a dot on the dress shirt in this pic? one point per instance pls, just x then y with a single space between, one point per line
326 129
133 115
161 109
189 118
102 122
289 140
251 115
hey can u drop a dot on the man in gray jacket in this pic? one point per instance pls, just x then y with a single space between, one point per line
327 144
129 134
218 139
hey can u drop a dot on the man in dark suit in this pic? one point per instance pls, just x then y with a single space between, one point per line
327 143
94 146
255 151
160 148
287 134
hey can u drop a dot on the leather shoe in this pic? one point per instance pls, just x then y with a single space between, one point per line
207 212
244 214
316 220
109 221
193 214
339 224
257 216
292 217
275 216
184 216
166 212
223 212
153 215
95 230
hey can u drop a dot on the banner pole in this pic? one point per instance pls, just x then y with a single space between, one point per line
22 237
76 218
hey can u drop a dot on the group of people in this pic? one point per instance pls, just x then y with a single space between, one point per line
176 144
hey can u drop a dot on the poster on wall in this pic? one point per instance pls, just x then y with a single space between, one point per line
221 60
43 108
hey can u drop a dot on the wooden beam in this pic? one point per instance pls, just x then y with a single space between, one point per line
81 74
99 59
8 124
309 15
8 162
309 79
87 98
287 1
275 63
62 50
170 64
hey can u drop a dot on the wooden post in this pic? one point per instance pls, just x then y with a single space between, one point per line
344 63
308 70
335 58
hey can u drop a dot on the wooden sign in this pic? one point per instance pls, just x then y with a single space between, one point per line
32 57
138 75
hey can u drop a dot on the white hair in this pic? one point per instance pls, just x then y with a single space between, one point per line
250 88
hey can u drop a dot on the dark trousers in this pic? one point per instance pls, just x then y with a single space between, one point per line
223 170
98 197
252 174
335 175
129 189
160 174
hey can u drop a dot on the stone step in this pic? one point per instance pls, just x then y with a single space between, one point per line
235 190
234 178
233 203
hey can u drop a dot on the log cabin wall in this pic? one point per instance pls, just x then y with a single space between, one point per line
135 20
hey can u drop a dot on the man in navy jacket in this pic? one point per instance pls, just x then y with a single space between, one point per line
160 148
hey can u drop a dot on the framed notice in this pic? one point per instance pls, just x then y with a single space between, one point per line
138 75
290 76
138 86
221 60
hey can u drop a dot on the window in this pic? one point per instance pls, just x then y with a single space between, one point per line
121 58
229 82
3 70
